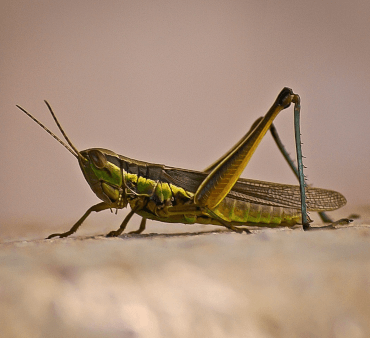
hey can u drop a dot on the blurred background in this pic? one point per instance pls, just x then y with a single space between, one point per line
178 83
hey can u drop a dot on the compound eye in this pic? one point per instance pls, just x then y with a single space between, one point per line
98 158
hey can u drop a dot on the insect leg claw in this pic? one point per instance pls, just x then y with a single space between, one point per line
113 233
61 235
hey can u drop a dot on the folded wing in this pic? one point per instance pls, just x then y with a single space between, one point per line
265 193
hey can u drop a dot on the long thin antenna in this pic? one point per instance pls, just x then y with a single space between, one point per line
62 131
75 153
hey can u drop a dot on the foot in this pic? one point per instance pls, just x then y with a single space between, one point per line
136 232
332 226
62 235
114 233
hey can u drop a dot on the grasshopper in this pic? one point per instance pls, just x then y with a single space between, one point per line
215 196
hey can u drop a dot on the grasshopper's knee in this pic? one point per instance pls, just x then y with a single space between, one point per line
285 97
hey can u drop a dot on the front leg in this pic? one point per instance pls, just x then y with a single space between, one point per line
97 207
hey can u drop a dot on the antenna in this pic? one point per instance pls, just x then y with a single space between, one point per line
74 152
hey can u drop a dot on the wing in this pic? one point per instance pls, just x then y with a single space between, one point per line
285 195
260 192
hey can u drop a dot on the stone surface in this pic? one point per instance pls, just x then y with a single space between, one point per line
273 283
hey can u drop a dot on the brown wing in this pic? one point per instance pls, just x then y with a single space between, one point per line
286 195
266 193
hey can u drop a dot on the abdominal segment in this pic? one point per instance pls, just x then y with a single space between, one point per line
233 210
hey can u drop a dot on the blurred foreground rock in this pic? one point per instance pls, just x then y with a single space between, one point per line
274 283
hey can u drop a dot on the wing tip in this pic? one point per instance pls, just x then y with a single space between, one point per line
324 200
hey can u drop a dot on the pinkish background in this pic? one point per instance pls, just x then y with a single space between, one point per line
178 82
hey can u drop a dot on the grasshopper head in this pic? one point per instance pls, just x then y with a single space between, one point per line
103 175
100 167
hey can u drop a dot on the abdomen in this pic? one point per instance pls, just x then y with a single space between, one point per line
233 210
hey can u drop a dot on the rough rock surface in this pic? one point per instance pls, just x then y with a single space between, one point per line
273 283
